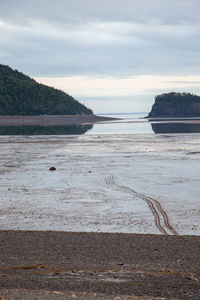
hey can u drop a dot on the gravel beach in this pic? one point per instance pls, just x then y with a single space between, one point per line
67 265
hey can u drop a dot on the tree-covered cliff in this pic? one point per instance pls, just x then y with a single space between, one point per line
22 95
175 105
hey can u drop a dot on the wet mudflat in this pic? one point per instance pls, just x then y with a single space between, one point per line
107 183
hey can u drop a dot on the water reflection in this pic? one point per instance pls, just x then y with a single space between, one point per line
45 130
175 127
100 128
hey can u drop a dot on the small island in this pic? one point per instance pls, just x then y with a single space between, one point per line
175 105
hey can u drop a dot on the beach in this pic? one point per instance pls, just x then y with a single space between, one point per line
100 150
100 216
66 265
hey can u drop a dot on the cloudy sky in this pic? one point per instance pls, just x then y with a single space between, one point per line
112 55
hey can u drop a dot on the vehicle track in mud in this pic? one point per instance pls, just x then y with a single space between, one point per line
154 205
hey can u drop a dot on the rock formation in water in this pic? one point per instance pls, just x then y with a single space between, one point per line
22 95
175 105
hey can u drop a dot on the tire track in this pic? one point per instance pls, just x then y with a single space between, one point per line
153 204
152 208
165 217
163 213
109 180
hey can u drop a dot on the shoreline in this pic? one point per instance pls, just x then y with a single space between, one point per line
65 120
52 120
56 265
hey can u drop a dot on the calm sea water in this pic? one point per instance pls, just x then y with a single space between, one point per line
135 123
129 123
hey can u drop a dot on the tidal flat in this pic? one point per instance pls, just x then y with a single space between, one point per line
146 184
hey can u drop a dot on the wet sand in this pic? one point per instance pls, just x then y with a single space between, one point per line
51 120
66 265
107 183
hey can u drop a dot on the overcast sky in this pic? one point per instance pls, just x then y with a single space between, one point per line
113 55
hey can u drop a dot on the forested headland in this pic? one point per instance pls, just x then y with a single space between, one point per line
22 95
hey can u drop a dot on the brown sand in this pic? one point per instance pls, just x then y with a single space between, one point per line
51 120
66 265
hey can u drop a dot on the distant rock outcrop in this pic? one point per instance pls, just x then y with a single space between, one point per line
22 95
175 105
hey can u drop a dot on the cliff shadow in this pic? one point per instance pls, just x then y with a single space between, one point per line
45 130
175 127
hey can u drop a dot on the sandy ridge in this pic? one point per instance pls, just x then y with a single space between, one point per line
48 120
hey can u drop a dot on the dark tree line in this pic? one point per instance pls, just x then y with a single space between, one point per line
21 95
177 97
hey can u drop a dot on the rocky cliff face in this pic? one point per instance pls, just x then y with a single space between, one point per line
175 105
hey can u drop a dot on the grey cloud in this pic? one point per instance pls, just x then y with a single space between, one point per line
172 11
107 37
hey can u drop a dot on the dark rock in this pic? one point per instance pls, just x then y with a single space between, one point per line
52 169
175 105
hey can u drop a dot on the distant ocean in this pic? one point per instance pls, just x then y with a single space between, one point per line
130 123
